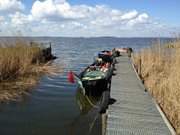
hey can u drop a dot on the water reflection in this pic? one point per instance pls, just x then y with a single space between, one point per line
86 102
89 120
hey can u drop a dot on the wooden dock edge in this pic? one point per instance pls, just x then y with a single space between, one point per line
104 122
170 127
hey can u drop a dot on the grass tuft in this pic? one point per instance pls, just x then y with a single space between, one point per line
21 64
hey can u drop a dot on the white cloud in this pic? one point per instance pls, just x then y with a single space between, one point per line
19 18
11 5
60 18
99 15
55 9
142 18
130 15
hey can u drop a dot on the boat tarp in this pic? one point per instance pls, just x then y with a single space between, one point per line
94 75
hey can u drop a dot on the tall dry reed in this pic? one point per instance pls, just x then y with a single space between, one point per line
21 64
160 70
17 60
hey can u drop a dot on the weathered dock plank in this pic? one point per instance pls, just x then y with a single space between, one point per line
134 112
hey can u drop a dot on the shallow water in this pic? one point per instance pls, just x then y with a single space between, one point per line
52 108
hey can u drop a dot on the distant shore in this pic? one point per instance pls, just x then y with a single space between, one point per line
158 67
21 66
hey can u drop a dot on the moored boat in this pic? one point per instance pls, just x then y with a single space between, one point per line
94 79
127 50
106 56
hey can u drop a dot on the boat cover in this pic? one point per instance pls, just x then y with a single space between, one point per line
94 75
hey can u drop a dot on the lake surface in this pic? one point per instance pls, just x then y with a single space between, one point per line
52 107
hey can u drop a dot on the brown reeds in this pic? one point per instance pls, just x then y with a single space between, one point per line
21 64
161 75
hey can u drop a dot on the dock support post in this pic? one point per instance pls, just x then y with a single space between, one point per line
139 67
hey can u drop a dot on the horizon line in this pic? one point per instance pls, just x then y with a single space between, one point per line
85 37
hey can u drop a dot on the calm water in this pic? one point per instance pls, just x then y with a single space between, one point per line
51 108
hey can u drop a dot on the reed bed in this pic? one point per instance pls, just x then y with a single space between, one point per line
21 65
158 67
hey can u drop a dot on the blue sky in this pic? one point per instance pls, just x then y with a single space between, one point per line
122 18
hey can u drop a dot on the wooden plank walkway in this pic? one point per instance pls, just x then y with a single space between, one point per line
134 112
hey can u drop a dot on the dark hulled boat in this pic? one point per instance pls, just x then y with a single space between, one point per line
96 79
106 56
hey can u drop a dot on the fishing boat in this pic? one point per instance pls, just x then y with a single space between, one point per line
97 79
107 57
127 50
94 79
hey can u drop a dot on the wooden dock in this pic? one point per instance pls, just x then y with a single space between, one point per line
134 112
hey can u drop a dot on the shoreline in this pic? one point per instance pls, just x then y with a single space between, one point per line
21 66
